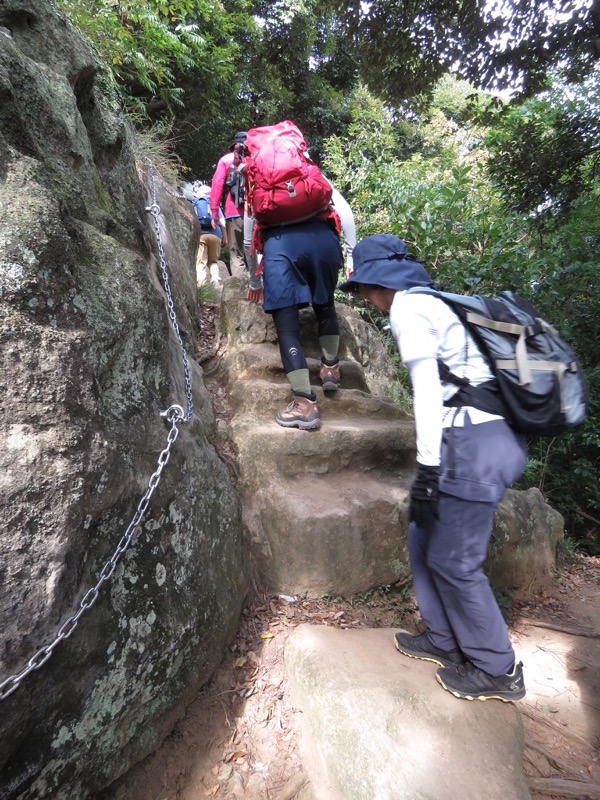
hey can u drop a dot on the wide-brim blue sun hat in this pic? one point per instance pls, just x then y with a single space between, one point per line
382 260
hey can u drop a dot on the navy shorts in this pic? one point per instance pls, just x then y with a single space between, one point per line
301 265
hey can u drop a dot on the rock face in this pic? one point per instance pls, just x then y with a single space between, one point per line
89 361
523 547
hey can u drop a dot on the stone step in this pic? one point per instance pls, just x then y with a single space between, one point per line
263 361
324 512
261 398
361 443
323 534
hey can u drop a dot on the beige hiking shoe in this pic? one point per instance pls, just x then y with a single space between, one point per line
330 377
300 413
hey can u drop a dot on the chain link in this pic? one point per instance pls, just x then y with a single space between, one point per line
176 195
174 415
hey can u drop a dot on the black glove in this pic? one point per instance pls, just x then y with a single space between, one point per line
424 496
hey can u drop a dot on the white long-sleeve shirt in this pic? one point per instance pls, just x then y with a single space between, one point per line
426 329
342 206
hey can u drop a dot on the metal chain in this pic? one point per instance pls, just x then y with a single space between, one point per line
174 414
154 210
176 195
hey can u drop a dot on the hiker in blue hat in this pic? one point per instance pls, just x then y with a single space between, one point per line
466 459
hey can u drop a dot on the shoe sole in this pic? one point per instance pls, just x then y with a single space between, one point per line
331 387
314 425
423 657
498 696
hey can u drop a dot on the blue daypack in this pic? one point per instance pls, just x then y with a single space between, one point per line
202 209
539 386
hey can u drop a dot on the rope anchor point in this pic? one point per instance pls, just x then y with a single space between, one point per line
174 413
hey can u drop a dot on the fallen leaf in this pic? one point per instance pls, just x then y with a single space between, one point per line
550 709
212 791
234 756
267 635
239 662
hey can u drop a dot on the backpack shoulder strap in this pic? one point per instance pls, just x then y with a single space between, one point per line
462 301
476 313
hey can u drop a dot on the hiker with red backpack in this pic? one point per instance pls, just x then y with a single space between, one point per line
228 177
298 221
466 458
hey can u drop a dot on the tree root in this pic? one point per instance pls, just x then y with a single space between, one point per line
587 633
557 787
536 716
554 762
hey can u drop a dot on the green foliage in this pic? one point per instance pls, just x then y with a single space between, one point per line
456 99
287 63
504 598
566 470
567 547
207 293
332 598
439 199
292 68
561 128
144 44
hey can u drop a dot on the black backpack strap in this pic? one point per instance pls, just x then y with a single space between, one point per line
485 397
449 377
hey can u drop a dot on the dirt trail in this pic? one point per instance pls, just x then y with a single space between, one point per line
239 738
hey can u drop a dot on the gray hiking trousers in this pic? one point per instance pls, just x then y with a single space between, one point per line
456 601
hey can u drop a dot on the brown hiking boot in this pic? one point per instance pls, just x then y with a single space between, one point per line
330 377
300 413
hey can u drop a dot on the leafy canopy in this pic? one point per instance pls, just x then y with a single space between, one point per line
558 155
403 47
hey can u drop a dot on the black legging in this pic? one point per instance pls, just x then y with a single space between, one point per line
287 325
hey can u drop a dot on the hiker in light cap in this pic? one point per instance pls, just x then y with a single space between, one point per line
466 459
209 244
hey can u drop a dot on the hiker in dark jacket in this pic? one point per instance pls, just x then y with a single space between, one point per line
466 460
301 264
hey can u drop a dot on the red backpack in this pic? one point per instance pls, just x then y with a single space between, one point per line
283 184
